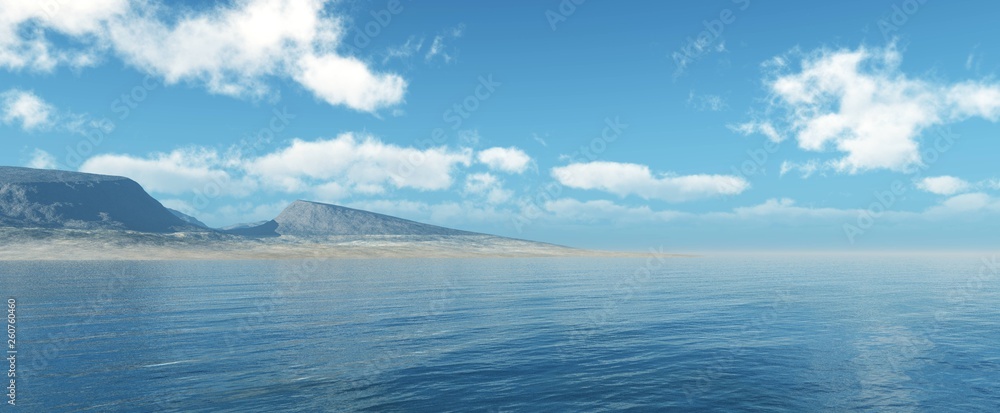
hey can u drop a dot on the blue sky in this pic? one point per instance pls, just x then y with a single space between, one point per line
700 126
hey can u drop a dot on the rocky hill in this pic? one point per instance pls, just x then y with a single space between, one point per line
59 199
310 219
46 214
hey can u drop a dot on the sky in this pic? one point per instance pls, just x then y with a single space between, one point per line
678 126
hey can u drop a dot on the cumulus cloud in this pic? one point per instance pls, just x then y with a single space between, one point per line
624 179
348 81
25 26
512 159
859 103
231 49
188 170
322 169
365 164
943 185
25 108
488 187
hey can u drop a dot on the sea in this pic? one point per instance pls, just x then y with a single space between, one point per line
717 332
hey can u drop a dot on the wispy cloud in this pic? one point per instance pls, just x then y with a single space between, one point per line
27 110
713 103
439 48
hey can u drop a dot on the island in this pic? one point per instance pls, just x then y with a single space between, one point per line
65 215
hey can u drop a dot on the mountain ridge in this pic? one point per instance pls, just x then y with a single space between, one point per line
60 215
62 199
75 200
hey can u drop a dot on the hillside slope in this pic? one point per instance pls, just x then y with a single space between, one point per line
307 219
60 199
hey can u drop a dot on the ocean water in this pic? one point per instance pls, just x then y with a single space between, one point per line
715 333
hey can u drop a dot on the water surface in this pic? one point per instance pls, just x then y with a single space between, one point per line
728 333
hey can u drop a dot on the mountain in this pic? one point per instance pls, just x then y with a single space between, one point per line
59 199
187 218
314 219
47 214
306 219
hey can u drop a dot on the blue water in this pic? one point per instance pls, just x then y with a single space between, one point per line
726 333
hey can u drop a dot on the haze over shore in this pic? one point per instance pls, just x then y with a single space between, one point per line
62 215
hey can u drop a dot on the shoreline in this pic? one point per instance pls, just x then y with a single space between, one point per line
83 245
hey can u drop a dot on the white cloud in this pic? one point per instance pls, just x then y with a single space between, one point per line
806 169
324 169
405 50
784 209
712 103
943 185
443 213
42 160
487 186
512 159
604 210
330 192
367 164
858 102
964 205
232 49
32 113
348 81
438 47
24 26
763 128
632 179
192 170
27 109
